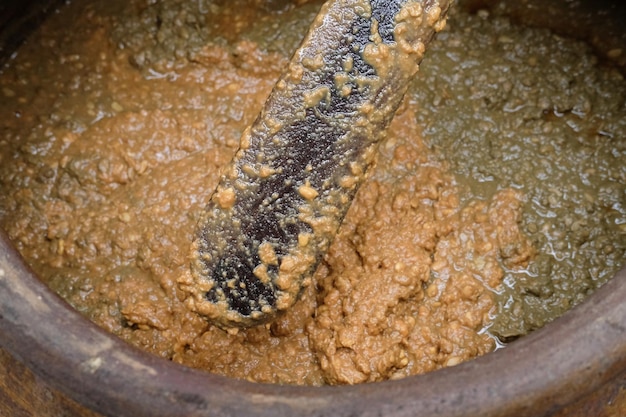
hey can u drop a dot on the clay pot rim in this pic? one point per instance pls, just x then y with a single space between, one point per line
546 370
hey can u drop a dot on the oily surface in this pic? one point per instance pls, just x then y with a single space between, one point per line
543 119
112 136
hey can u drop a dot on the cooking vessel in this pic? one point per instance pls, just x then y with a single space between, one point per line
54 362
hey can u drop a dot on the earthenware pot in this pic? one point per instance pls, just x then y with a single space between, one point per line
74 368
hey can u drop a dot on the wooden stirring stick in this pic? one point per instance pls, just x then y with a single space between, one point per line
281 200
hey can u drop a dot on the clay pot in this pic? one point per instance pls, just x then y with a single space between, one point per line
55 362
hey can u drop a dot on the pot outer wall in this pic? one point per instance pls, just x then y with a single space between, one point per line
53 362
